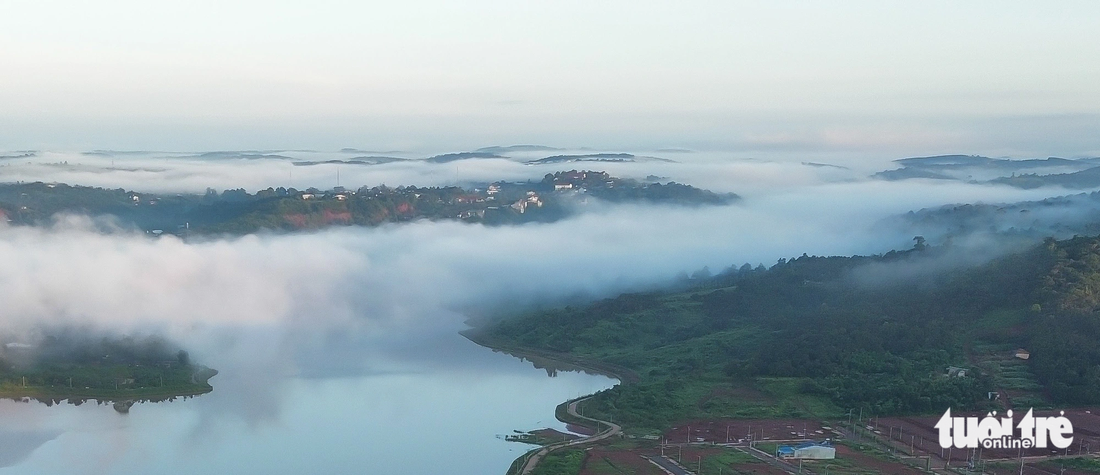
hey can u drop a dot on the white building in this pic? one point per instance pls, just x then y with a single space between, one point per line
808 450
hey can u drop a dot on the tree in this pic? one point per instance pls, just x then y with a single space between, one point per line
919 243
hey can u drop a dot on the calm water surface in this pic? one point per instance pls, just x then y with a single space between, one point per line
424 405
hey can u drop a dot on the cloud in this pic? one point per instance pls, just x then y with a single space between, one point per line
80 270
354 300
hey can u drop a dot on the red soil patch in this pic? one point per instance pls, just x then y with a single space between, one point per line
920 434
329 217
626 461
582 430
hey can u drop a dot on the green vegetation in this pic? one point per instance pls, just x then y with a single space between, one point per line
725 458
817 336
1079 464
107 369
239 212
560 462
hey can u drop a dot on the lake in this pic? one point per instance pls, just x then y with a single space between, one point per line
426 403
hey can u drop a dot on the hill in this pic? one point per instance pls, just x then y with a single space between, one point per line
894 334
1088 178
557 196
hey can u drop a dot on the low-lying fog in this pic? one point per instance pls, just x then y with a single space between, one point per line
349 301
254 170
400 278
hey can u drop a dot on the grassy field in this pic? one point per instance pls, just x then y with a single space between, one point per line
561 462
1077 464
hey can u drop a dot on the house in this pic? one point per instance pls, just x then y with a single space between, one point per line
493 189
808 450
1022 354
307 196
956 372
562 186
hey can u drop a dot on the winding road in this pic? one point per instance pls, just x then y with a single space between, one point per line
611 431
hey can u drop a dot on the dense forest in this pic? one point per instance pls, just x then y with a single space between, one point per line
909 332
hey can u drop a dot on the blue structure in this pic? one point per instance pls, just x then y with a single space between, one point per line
807 450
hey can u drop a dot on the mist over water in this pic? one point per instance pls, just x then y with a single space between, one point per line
339 349
345 340
408 416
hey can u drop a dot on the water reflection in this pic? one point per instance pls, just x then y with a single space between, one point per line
120 405
426 403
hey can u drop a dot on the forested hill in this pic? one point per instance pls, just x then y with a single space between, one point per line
556 196
821 335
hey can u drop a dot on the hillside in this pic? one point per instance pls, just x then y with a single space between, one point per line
556 196
818 336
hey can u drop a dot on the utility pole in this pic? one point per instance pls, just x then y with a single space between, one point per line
1021 460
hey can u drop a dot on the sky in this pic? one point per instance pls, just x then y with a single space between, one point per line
757 90
858 82
865 78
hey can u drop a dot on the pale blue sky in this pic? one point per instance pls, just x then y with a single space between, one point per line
996 77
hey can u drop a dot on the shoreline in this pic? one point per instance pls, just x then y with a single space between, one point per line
564 360
566 411
200 384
